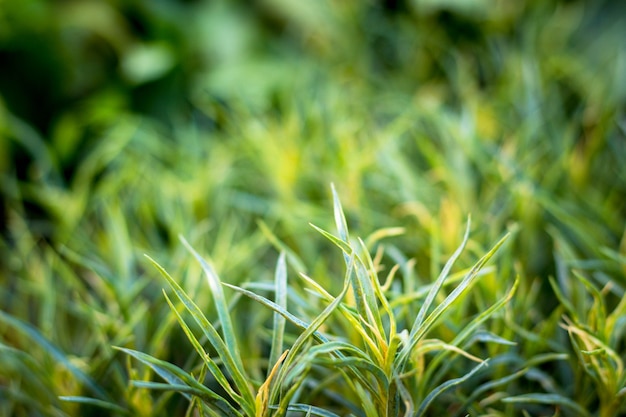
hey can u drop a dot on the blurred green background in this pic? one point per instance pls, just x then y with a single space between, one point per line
126 123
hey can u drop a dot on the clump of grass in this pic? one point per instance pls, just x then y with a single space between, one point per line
363 353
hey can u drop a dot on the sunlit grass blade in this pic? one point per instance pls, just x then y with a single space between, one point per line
378 295
278 329
340 218
263 394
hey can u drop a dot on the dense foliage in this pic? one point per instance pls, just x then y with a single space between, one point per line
207 134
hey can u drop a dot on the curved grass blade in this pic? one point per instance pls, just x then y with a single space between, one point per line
491 384
405 396
210 364
447 302
548 399
278 309
221 306
344 246
230 364
175 376
96 403
446 385
470 328
421 315
263 394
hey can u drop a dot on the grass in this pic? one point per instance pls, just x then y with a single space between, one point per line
205 266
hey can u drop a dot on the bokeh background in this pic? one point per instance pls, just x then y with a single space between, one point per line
124 123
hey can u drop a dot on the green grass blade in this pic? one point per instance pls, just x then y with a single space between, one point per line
280 291
231 365
443 387
29 370
494 383
439 310
469 329
344 246
377 294
304 337
310 410
211 365
278 309
221 306
353 317
405 397
281 246
340 218
175 376
160 386
96 403
548 399
438 284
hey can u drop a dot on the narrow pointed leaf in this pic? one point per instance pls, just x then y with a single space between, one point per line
280 291
96 403
550 399
230 364
445 386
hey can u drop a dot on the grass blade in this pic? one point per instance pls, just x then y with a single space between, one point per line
96 403
438 284
548 399
221 306
280 290
278 309
446 385
232 366
439 310
310 410
210 364
177 377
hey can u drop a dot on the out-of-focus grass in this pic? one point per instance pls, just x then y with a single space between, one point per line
419 114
